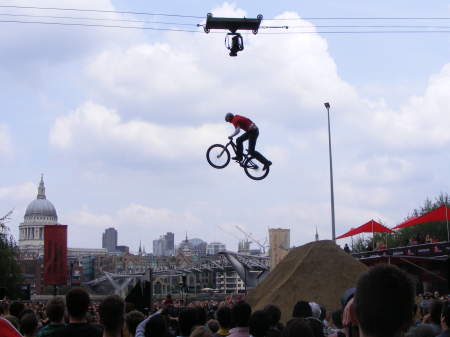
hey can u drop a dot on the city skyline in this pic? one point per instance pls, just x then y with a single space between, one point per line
119 120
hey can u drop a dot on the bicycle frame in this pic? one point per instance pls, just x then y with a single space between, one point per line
247 162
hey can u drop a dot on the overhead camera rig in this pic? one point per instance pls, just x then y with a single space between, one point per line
233 40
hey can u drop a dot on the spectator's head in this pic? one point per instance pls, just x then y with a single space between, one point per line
201 331
132 320
274 314
77 302
213 325
259 323
16 308
186 320
315 309
445 316
13 320
223 316
112 312
55 309
336 317
28 324
129 307
240 313
156 327
316 326
435 311
302 309
201 315
424 330
297 327
384 301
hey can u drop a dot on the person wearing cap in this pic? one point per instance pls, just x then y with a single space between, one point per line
251 134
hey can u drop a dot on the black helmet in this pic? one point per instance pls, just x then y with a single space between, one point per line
228 116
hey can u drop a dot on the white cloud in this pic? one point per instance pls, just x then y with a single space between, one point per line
20 193
95 129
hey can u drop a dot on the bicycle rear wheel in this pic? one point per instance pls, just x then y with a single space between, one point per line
254 169
218 156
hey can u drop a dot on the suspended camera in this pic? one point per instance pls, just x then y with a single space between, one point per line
233 41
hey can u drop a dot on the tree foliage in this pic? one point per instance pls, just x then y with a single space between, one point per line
10 273
435 230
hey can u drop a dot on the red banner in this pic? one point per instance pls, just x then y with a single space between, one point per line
55 255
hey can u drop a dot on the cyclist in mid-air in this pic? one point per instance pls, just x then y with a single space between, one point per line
251 133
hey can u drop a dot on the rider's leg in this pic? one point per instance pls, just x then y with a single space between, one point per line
239 146
253 136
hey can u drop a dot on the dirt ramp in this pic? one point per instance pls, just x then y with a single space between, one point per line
318 271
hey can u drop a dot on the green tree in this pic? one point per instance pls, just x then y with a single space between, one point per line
436 230
10 273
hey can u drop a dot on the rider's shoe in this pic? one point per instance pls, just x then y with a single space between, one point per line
237 158
266 165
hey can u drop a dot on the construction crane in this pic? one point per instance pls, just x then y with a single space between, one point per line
250 237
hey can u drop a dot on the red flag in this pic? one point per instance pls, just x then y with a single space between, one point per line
55 255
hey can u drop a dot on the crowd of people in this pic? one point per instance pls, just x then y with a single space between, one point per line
383 304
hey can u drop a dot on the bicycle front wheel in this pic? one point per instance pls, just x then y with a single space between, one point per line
218 156
254 169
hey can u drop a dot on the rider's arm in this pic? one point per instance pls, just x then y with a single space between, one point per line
236 132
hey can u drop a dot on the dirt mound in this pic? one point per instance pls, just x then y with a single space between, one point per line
318 271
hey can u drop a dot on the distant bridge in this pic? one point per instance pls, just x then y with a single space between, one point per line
251 269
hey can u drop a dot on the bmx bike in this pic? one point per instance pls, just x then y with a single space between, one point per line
218 156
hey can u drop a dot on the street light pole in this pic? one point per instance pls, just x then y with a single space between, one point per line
333 231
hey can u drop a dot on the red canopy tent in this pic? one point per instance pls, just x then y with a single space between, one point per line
441 213
369 227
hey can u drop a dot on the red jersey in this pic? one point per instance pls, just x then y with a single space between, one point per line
241 122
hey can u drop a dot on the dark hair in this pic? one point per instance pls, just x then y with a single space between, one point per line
132 319
77 302
28 323
112 311
316 326
274 314
201 315
156 327
435 311
55 309
223 316
297 327
13 320
384 301
213 325
186 320
446 313
16 308
336 317
424 330
259 323
240 314
301 309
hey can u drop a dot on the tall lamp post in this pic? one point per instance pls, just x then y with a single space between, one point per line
333 231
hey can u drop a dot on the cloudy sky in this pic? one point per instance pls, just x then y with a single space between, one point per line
119 120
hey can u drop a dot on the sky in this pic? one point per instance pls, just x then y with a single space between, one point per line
119 120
